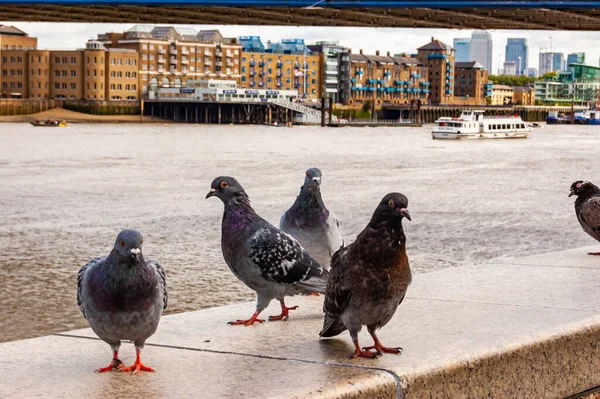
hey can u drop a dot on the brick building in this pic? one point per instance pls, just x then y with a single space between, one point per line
471 81
14 44
287 65
438 58
383 79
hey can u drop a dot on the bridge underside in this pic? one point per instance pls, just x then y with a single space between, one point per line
458 18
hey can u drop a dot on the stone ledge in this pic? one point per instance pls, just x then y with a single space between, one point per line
526 327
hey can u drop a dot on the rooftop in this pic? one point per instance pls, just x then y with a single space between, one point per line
469 64
11 30
501 87
435 45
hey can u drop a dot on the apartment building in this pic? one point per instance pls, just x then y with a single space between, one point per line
169 56
438 58
14 43
286 65
383 79
471 81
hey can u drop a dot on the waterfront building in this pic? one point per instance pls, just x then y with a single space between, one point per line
383 79
516 51
462 49
524 95
502 95
216 90
510 68
286 65
169 56
582 85
13 77
545 63
575 58
481 48
438 59
333 67
93 73
471 81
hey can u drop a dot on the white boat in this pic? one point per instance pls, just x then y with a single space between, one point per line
473 125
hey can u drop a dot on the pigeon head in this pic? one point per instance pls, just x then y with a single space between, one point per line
128 246
392 207
313 175
582 187
225 188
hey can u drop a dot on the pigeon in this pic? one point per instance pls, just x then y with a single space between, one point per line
123 296
369 278
311 223
587 208
266 259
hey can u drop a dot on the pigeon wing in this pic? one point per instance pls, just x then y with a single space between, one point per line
280 258
339 291
334 236
590 214
80 276
162 281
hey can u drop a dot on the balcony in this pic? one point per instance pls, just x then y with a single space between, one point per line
184 51
207 62
184 70
173 70
161 60
252 63
297 84
279 74
297 65
219 63
161 70
279 84
173 50
261 63
207 53
185 61
261 83
228 54
252 84
252 73
218 53
161 51
279 64
261 73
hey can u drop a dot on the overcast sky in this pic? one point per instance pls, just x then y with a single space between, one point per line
56 36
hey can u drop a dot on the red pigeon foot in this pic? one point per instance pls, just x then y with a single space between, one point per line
312 294
361 353
115 364
249 322
382 349
284 313
137 366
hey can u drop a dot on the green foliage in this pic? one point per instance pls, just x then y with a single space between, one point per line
367 106
511 80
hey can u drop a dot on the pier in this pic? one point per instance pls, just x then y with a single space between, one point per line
521 327
430 113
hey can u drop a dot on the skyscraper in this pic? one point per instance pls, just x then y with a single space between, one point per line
481 48
546 60
516 51
558 62
462 48
575 58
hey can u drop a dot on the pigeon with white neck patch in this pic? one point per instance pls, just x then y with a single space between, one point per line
310 222
266 259
123 295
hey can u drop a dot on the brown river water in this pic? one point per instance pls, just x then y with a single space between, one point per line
65 193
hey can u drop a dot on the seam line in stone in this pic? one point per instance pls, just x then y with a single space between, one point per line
393 374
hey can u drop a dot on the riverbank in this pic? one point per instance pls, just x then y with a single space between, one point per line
79 117
511 327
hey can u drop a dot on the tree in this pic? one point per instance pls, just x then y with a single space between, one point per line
511 80
367 106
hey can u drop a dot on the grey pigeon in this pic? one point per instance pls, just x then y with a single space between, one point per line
123 296
310 222
369 278
587 208
266 259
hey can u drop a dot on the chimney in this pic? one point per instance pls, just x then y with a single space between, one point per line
349 51
377 52
432 38
388 53
360 51
404 55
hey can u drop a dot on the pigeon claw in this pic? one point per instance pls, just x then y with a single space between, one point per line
366 354
249 322
379 349
594 253
284 313
312 294
136 368
115 364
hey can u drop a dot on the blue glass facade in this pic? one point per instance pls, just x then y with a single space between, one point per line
516 48
462 47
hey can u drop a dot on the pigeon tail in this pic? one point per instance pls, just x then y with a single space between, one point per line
316 284
332 326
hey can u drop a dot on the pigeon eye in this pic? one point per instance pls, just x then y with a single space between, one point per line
391 204
122 243
224 184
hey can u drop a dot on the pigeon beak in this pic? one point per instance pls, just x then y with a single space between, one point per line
135 252
405 213
211 193
571 193
316 179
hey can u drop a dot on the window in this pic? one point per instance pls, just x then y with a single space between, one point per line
144 47
57 86
134 87
73 60
64 60
64 86
64 72
5 59
127 74
57 60
152 47
95 86
134 74
127 87
119 74
112 86
73 86
73 73
144 77
57 73
19 85
95 72
19 59
134 62
120 61
127 61
112 61
95 60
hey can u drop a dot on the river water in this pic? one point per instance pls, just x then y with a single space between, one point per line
66 193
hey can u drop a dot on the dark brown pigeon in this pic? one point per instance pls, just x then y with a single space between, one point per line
587 208
369 278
